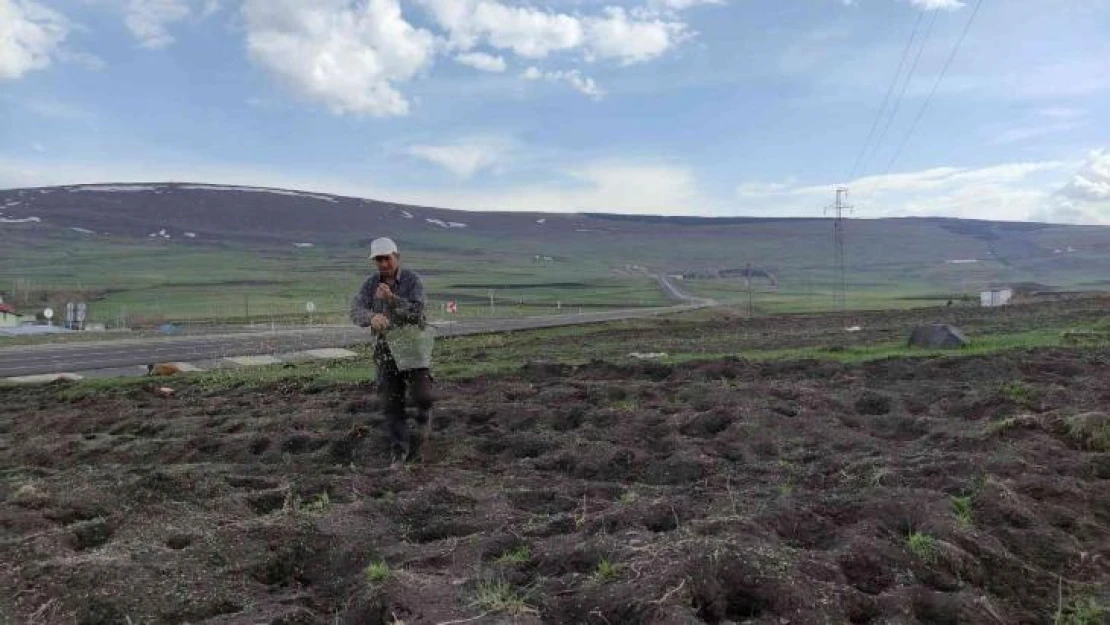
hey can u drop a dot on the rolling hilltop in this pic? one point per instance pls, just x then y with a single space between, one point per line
113 239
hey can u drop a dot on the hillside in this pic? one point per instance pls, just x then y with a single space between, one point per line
119 237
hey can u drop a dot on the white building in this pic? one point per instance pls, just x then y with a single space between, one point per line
996 297
8 317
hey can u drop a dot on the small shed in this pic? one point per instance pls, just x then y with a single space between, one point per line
996 297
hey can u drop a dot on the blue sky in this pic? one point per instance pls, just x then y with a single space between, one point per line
696 107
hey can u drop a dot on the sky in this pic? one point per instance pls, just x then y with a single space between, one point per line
992 109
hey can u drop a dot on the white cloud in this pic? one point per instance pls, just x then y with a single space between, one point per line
939 5
1092 183
680 5
1024 133
924 5
482 61
761 189
534 33
38 148
30 34
349 57
528 32
1075 77
356 56
1086 198
466 157
661 189
1011 191
603 186
1045 122
148 20
630 40
583 84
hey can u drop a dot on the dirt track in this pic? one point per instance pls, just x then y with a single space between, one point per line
721 492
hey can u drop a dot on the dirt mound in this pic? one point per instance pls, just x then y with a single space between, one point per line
922 491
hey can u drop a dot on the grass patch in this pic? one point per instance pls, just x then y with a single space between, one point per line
869 353
1090 430
1082 611
1018 392
923 547
1102 325
606 571
518 555
305 375
1012 423
961 508
319 504
685 340
625 405
377 572
97 387
499 596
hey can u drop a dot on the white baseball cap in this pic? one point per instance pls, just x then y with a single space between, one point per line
382 247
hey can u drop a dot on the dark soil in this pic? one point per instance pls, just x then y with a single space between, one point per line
707 493
726 330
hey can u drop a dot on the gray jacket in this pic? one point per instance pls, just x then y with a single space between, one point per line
406 309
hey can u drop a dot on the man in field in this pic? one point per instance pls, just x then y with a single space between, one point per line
390 300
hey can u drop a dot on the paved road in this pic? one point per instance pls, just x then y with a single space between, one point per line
78 357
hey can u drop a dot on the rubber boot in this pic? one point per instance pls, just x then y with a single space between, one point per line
423 433
399 454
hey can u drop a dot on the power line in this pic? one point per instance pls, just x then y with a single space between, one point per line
936 85
909 79
886 98
924 105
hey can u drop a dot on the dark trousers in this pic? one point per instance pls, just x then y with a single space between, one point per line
393 386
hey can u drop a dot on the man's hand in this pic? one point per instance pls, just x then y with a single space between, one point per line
379 323
384 292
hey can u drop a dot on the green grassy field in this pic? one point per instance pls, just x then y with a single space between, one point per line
683 338
140 283
145 283
891 264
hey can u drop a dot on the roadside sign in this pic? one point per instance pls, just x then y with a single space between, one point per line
452 307
48 313
311 308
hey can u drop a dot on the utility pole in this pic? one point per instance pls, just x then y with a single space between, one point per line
751 299
839 209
